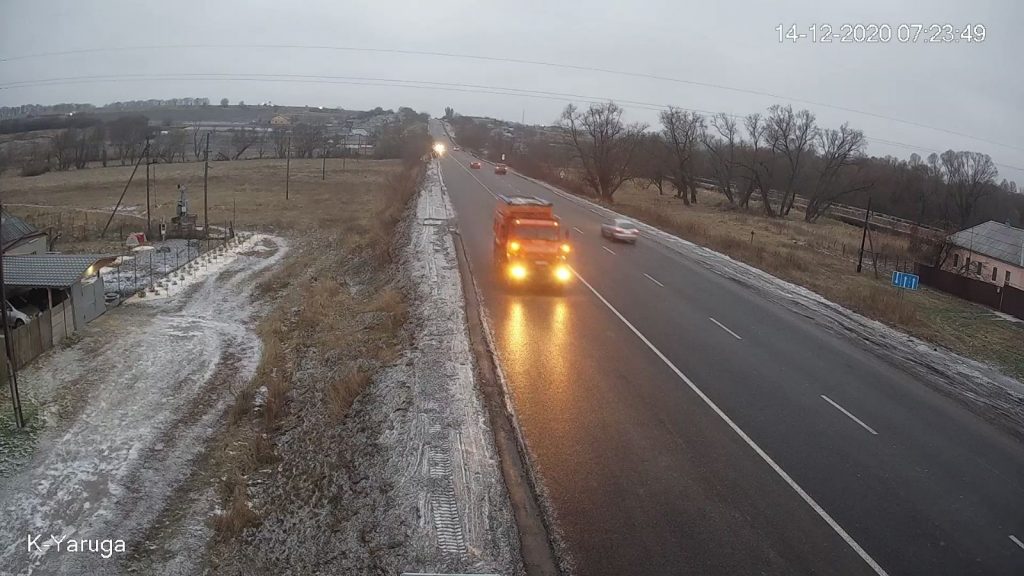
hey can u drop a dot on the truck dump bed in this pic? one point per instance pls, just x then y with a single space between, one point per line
524 207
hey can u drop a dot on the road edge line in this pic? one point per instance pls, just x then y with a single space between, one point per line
743 435
537 548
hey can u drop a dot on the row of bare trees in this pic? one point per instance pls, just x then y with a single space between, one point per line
781 157
772 155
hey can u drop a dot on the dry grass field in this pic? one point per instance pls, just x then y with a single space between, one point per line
822 257
333 311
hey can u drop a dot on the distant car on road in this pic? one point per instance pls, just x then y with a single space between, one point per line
474 165
456 147
500 169
620 229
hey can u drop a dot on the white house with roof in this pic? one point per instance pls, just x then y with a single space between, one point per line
991 251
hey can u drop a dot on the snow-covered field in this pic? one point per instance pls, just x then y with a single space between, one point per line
128 408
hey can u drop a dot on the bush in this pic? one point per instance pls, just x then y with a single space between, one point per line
34 168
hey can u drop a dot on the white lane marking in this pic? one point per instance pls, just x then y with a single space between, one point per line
852 417
653 280
723 327
607 249
1017 542
594 211
577 229
489 191
743 435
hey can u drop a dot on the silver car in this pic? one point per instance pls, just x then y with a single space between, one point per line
620 229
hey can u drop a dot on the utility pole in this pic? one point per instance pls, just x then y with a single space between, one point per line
863 237
149 224
206 175
288 168
12 370
123 192
323 169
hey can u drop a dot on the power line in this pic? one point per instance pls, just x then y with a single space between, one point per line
509 61
359 80
392 83
916 148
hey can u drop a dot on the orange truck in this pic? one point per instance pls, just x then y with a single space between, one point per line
529 243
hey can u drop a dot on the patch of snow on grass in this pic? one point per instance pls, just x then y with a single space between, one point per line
132 404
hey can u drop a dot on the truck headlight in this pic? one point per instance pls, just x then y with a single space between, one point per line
517 271
513 246
563 274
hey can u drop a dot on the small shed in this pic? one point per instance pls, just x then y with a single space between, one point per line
74 276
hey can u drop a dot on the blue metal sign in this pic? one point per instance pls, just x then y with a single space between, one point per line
905 280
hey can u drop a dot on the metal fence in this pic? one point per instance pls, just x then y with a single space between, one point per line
141 270
1005 298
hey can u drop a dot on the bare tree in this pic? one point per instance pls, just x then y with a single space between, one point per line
280 138
791 136
681 132
128 135
306 139
169 146
62 147
603 144
839 168
721 148
970 177
242 139
653 163
261 143
198 142
757 161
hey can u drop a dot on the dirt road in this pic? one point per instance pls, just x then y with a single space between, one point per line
128 408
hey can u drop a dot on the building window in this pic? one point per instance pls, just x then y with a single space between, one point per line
1007 277
956 260
977 266
994 271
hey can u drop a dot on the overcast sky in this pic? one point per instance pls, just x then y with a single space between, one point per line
976 90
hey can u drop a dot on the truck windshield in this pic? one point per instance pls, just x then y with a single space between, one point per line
536 233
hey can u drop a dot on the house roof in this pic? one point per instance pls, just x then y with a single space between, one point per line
1000 241
14 229
48 270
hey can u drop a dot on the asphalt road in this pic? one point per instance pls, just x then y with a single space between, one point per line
682 424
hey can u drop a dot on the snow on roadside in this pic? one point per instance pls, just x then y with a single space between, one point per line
129 408
981 386
410 480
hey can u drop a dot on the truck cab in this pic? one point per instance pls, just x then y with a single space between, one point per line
530 245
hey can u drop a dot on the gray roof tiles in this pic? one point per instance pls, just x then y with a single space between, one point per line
13 228
995 240
47 270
